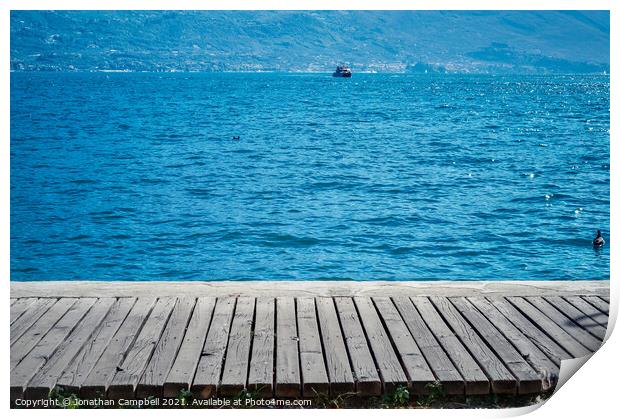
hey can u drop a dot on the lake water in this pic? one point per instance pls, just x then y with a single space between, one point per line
397 177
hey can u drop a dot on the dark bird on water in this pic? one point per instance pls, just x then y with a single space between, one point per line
236 137
598 240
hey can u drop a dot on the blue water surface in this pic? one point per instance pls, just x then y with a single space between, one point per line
136 176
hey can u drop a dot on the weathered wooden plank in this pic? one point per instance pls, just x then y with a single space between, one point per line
182 372
527 349
45 348
565 323
559 335
260 377
125 381
528 380
288 380
27 319
604 298
19 307
418 371
45 379
389 367
313 371
22 346
368 382
78 369
589 310
336 358
97 381
578 316
476 382
502 380
522 335
152 381
598 302
440 363
235 374
209 367
547 345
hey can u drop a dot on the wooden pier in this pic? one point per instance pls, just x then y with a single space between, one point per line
298 339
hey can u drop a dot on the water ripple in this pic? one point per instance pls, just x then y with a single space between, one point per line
378 177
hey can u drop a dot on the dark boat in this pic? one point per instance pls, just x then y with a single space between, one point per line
342 71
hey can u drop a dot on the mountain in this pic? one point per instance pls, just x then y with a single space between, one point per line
457 41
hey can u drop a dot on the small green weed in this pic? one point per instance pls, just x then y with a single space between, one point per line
65 399
436 394
398 398
185 396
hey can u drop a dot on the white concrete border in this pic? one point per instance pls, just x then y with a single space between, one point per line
304 288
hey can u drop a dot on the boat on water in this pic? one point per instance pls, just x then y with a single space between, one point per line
342 71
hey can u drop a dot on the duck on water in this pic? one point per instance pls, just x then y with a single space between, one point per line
598 240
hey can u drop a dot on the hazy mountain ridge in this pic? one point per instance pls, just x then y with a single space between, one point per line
536 41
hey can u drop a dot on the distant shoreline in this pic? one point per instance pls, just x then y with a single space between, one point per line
535 74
